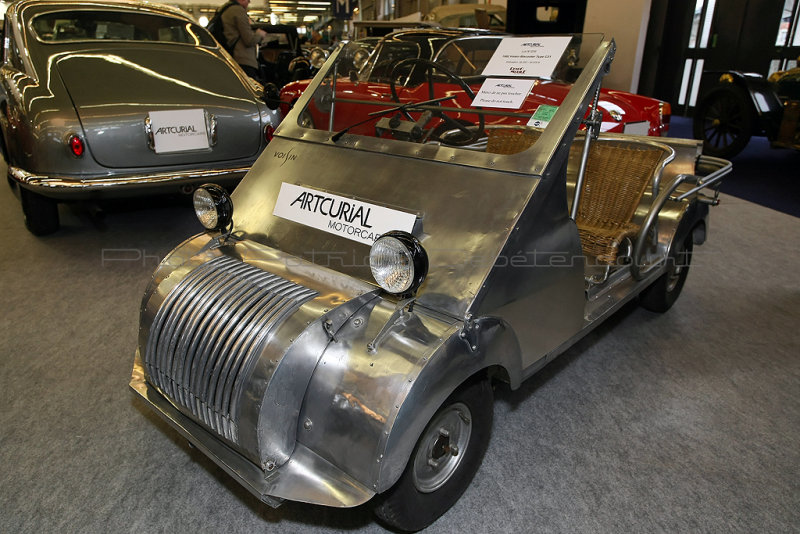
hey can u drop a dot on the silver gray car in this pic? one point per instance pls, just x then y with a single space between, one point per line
333 338
119 98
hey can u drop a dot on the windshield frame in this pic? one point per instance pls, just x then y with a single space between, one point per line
535 160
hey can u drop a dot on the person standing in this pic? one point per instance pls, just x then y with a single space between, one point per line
241 37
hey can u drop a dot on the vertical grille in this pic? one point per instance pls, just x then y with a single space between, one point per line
205 336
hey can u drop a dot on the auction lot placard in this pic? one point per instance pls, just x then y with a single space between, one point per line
346 217
527 56
507 93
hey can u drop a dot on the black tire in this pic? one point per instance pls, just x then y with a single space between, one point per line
663 293
41 213
725 121
455 439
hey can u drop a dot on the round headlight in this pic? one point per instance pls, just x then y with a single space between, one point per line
213 206
360 58
318 57
398 262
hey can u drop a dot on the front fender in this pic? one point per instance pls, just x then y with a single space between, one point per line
365 409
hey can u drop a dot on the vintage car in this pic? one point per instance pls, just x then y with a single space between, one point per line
118 98
740 105
334 336
410 65
486 16
281 49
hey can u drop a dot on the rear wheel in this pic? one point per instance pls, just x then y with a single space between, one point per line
41 213
724 120
444 461
663 293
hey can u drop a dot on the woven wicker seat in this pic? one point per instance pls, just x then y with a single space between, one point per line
617 175
616 178
510 140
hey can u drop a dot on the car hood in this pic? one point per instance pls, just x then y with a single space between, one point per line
137 82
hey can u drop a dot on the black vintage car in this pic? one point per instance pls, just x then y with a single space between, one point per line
281 58
740 105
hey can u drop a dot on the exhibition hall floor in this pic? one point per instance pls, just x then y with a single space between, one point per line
683 422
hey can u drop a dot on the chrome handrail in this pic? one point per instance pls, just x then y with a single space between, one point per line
723 167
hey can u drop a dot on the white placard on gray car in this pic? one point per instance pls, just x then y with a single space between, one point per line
178 130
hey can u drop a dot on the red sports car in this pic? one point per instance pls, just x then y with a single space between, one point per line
446 66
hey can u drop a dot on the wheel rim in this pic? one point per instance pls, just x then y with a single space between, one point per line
681 262
442 447
724 122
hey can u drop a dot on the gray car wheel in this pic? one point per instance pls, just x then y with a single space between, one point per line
41 213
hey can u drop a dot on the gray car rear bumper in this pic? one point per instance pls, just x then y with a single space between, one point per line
66 187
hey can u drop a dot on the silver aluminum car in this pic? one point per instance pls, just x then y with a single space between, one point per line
118 98
334 336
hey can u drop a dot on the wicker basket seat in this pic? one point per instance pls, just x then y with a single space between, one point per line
510 140
616 178
617 175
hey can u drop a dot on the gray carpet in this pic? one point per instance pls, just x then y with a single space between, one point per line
682 422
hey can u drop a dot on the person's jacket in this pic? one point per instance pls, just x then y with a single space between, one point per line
236 26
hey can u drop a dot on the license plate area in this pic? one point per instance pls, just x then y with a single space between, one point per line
179 130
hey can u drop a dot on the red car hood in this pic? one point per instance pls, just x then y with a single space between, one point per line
619 108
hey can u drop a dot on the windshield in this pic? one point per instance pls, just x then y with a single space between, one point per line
421 87
464 53
454 161
91 25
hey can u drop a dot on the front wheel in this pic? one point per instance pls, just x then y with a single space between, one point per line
663 293
444 461
41 213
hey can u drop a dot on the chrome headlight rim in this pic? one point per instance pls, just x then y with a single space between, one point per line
360 58
213 207
409 248
317 57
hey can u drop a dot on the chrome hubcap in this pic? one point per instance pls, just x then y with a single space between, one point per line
681 259
442 447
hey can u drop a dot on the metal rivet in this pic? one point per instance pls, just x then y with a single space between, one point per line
307 424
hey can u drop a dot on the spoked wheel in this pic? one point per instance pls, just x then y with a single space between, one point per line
469 132
724 121
444 461
663 293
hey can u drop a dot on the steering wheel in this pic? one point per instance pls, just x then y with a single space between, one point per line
470 132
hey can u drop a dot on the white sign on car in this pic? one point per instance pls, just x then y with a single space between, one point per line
346 217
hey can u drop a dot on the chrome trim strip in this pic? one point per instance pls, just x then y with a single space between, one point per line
40 181
148 130
211 128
